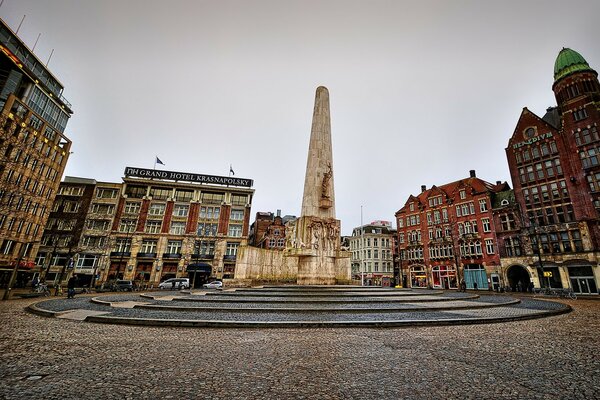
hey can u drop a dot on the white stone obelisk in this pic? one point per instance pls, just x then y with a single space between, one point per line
319 197
317 232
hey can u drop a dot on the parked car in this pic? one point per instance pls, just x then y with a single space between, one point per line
175 283
124 285
213 285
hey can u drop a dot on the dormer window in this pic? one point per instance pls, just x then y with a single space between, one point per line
463 194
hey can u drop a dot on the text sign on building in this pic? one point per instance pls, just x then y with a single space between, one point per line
186 176
548 274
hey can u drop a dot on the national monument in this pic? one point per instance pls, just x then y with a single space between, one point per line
312 254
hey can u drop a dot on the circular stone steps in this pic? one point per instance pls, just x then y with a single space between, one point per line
295 306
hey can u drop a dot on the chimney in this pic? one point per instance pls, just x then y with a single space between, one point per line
472 173
498 183
423 188
279 213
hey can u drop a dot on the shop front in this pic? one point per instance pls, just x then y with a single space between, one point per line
444 277
418 276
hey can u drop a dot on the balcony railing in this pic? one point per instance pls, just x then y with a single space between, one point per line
120 253
142 254
171 255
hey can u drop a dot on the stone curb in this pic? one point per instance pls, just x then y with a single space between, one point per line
358 301
318 324
312 310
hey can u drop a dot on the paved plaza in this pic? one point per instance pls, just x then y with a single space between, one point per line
547 358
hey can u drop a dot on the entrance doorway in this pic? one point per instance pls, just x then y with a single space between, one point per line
582 280
475 277
518 278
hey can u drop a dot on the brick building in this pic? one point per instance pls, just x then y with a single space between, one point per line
554 161
63 232
268 230
33 152
446 234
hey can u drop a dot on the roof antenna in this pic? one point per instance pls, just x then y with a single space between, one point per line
36 40
47 62
22 19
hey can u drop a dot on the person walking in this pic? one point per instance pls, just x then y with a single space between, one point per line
71 287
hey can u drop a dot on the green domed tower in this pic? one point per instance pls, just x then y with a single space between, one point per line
575 84
569 62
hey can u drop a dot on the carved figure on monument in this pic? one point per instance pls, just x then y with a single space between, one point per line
325 183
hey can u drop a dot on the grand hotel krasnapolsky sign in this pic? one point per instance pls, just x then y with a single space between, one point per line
187 177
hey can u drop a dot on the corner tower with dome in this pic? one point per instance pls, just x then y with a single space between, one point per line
554 161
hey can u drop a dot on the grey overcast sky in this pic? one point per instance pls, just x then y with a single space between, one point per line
421 92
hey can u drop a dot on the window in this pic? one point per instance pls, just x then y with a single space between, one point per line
237 215
136 192
7 246
212 198
209 212
127 225
580 114
174 247
157 209
97 224
68 190
463 194
93 241
239 199
507 221
103 193
207 247
235 230
148 246
207 229
486 224
183 195
231 249
577 243
280 242
132 207
160 193
181 210
153 226
177 228
489 246
99 208
483 205
123 245
87 261
589 158
512 246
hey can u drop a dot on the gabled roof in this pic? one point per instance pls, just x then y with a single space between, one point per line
525 114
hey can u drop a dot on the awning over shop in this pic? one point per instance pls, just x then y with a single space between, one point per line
199 267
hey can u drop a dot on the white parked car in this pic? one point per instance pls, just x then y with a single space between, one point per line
175 283
213 285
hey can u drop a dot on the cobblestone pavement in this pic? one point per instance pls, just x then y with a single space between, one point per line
549 358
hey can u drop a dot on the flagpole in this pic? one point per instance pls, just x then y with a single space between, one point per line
155 162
